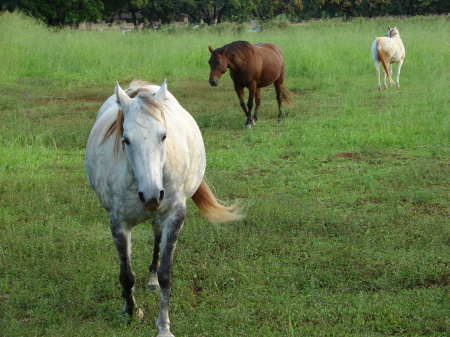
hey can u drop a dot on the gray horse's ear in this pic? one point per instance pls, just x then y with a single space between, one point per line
389 28
160 95
210 49
121 96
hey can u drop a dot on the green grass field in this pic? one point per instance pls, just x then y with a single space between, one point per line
347 201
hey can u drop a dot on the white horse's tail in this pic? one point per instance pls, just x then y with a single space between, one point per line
212 209
382 58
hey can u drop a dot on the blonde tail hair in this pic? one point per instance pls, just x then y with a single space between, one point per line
383 59
212 209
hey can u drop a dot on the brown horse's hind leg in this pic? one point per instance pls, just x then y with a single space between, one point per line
279 91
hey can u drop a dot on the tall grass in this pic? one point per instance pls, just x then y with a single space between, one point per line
347 203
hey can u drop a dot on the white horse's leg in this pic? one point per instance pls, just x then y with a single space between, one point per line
153 282
391 81
377 68
122 240
399 66
171 229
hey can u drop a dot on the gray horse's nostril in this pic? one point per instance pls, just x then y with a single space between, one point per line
161 195
141 197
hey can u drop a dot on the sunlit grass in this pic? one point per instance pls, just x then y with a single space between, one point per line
346 201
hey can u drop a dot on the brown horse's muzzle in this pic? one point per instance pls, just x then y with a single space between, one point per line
214 82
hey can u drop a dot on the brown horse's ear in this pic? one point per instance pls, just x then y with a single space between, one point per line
210 49
389 28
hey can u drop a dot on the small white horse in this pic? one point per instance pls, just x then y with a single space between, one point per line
388 50
145 157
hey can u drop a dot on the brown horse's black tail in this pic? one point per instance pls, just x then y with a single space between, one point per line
286 96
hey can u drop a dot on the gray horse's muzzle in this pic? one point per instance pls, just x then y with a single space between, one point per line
152 204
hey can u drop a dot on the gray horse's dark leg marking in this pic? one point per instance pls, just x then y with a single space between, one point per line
171 232
122 240
157 233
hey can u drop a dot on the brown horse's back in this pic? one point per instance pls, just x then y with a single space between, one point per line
262 63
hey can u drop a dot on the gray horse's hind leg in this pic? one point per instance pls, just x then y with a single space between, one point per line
153 283
122 239
171 229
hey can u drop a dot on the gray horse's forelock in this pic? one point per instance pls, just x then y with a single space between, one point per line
149 106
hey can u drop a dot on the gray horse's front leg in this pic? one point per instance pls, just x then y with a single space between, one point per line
171 229
153 283
122 239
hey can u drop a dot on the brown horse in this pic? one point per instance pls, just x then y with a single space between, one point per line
252 67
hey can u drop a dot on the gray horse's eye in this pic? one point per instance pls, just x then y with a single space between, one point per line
125 140
163 138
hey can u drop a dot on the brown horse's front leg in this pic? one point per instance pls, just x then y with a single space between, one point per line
257 103
252 92
240 93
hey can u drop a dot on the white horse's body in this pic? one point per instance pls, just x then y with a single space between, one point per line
388 50
145 157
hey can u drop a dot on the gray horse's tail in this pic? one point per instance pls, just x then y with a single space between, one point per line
212 209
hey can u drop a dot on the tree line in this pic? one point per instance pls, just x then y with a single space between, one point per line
63 12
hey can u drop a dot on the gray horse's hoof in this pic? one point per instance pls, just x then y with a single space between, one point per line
154 287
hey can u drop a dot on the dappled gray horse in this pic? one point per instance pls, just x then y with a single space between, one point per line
145 157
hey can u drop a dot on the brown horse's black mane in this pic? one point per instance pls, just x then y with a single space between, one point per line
237 47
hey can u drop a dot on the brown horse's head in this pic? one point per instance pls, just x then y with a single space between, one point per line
218 63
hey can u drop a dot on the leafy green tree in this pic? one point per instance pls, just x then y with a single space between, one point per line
419 7
370 8
210 11
133 7
57 12
164 11
269 9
